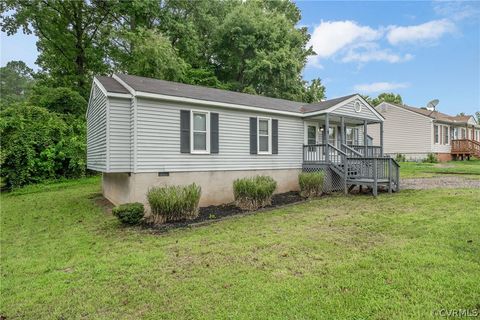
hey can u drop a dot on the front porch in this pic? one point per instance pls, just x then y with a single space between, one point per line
346 153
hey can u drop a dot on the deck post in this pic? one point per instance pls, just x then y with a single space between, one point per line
389 175
327 137
381 139
346 174
365 138
375 182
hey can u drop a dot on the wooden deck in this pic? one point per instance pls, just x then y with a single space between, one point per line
465 148
351 168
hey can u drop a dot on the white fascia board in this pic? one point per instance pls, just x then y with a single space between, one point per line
341 104
214 103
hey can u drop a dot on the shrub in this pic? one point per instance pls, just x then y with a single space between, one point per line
174 203
431 158
38 145
254 193
129 213
311 183
400 157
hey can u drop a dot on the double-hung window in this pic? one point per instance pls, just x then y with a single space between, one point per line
436 134
264 135
200 134
445 134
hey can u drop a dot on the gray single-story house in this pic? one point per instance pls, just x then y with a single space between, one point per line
144 132
416 132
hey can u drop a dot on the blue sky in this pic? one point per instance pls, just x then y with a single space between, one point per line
421 50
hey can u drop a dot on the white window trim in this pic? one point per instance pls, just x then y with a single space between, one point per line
447 128
207 143
269 135
438 133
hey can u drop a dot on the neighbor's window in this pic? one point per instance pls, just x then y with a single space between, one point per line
436 135
445 135
464 133
264 135
200 132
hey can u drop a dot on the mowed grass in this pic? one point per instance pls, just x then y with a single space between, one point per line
469 169
398 256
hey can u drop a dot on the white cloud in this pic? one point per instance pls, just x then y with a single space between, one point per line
456 10
372 52
332 36
379 87
429 31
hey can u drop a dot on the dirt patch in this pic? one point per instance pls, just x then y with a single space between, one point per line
439 182
215 213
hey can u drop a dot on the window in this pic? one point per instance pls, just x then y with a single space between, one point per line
351 136
311 135
463 133
436 135
200 123
445 135
331 135
264 135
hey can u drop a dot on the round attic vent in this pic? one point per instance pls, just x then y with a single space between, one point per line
357 106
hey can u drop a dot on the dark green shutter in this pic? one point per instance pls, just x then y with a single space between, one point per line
253 135
185 131
213 132
274 136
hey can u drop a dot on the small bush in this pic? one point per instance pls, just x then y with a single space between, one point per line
129 213
311 183
431 158
254 193
400 157
174 203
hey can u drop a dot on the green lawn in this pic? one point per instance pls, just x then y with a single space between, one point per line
397 256
470 169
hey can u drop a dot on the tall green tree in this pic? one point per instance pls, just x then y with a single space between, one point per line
385 97
15 82
70 44
261 49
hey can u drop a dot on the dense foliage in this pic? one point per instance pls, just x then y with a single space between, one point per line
247 46
254 193
173 203
385 97
311 183
39 145
129 213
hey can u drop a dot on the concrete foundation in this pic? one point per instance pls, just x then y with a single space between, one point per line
217 186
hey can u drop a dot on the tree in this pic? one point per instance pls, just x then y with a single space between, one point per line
70 40
61 100
262 49
386 97
478 116
15 82
314 91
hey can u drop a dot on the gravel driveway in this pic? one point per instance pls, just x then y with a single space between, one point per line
439 182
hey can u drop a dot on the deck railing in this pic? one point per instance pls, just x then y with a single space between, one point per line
383 169
465 146
372 151
314 153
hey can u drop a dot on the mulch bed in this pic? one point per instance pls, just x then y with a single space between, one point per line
215 213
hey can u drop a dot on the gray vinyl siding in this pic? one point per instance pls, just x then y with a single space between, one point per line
158 141
97 132
348 110
404 131
119 133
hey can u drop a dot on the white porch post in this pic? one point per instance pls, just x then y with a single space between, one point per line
381 139
342 131
365 137
327 136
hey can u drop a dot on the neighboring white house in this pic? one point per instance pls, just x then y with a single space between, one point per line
416 132
144 132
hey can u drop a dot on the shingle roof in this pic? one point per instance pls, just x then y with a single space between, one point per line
183 90
111 85
323 105
208 94
437 115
